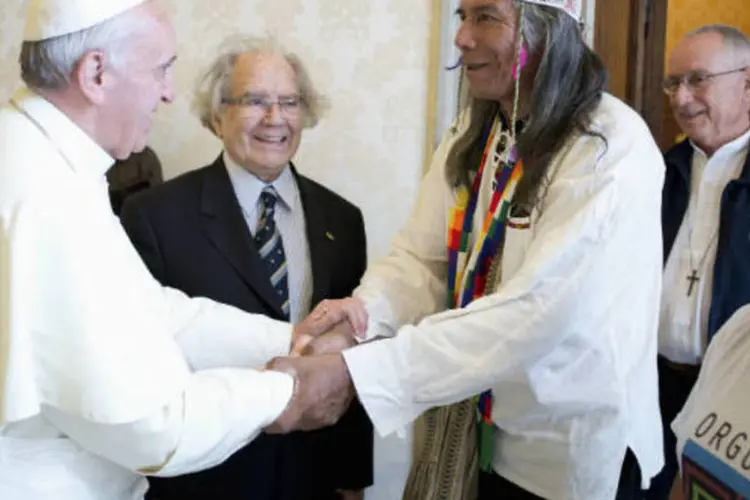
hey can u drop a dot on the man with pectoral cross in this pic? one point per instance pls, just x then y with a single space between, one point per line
706 202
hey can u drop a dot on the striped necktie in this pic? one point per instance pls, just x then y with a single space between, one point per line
271 248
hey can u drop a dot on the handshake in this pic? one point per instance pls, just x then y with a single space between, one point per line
323 388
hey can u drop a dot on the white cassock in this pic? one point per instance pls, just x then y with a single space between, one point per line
104 374
568 339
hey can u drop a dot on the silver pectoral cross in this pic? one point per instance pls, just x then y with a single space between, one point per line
692 279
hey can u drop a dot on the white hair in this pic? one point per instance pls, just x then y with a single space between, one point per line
734 40
49 64
214 85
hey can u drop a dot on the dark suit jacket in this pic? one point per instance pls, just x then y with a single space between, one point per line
192 235
731 286
136 173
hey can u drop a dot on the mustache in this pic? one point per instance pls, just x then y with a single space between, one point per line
456 65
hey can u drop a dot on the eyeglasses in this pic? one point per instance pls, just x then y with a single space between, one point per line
289 106
694 80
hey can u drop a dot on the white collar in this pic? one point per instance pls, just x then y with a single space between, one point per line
248 186
727 150
84 155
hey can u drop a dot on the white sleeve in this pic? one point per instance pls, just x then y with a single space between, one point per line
410 282
214 335
459 353
219 412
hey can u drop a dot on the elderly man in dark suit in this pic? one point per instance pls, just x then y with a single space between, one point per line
250 231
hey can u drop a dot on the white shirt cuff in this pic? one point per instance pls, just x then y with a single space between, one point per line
379 313
381 385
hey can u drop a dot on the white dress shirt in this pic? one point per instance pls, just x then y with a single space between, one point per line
567 341
105 375
290 220
684 319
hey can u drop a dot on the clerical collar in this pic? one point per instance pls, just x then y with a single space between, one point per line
729 149
79 150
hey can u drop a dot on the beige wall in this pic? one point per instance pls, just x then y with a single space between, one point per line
371 57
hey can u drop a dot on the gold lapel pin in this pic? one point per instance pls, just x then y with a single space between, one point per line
329 236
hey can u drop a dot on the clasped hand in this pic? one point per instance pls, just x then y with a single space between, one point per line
323 388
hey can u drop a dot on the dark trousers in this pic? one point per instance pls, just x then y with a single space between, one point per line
495 487
674 388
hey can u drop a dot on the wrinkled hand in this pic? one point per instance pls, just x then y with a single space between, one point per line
349 312
323 391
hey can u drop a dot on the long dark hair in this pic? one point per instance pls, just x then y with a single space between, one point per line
567 89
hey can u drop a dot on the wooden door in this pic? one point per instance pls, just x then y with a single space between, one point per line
630 35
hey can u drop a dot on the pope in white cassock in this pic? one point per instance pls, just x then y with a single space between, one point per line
105 375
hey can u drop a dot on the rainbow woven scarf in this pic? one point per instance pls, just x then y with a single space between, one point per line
468 270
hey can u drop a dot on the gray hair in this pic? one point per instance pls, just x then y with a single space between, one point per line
214 85
735 40
49 64
567 89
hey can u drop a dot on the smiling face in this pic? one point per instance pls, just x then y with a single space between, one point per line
260 125
717 110
486 38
